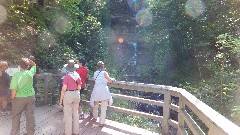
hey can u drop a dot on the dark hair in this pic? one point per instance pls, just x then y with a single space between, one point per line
23 64
83 61
31 57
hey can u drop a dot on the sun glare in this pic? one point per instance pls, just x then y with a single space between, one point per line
144 18
195 8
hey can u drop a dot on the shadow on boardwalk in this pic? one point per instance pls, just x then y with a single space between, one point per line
49 122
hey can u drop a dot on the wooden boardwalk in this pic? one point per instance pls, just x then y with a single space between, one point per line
49 122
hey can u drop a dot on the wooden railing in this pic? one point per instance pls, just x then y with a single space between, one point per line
193 114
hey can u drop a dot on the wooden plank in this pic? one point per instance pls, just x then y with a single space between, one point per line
86 125
192 124
47 126
49 121
182 131
140 87
40 113
137 86
137 99
141 100
173 123
174 91
136 113
128 111
208 115
174 107
115 128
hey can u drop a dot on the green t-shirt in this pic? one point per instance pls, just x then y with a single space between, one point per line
22 82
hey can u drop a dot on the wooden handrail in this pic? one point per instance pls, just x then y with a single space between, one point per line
187 105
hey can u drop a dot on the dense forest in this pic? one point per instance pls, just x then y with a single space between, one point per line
193 44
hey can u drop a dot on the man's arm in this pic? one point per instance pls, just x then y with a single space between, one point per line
13 94
13 86
31 62
64 88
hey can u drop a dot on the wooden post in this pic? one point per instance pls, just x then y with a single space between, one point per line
180 116
91 85
54 85
46 88
166 115
91 88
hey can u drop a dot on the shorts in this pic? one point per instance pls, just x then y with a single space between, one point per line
4 92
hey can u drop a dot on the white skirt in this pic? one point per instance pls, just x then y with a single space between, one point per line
100 92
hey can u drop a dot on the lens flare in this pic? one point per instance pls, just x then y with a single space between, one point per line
62 24
138 4
120 40
3 14
144 18
194 8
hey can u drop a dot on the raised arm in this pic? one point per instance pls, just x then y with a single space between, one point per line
29 61
32 63
109 79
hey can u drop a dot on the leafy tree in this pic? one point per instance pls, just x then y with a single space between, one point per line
56 31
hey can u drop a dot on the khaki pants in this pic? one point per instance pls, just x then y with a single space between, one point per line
20 104
3 101
71 119
104 104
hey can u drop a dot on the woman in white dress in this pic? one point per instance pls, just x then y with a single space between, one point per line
101 93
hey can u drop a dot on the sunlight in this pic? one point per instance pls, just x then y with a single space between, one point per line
3 14
195 8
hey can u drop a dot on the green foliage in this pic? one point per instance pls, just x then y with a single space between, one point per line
86 38
219 91
60 30
191 47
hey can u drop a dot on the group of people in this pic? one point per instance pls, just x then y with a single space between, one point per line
72 83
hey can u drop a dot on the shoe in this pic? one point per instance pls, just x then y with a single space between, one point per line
81 116
101 125
91 114
94 120
4 113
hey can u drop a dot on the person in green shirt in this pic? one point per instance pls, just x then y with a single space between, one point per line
23 96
